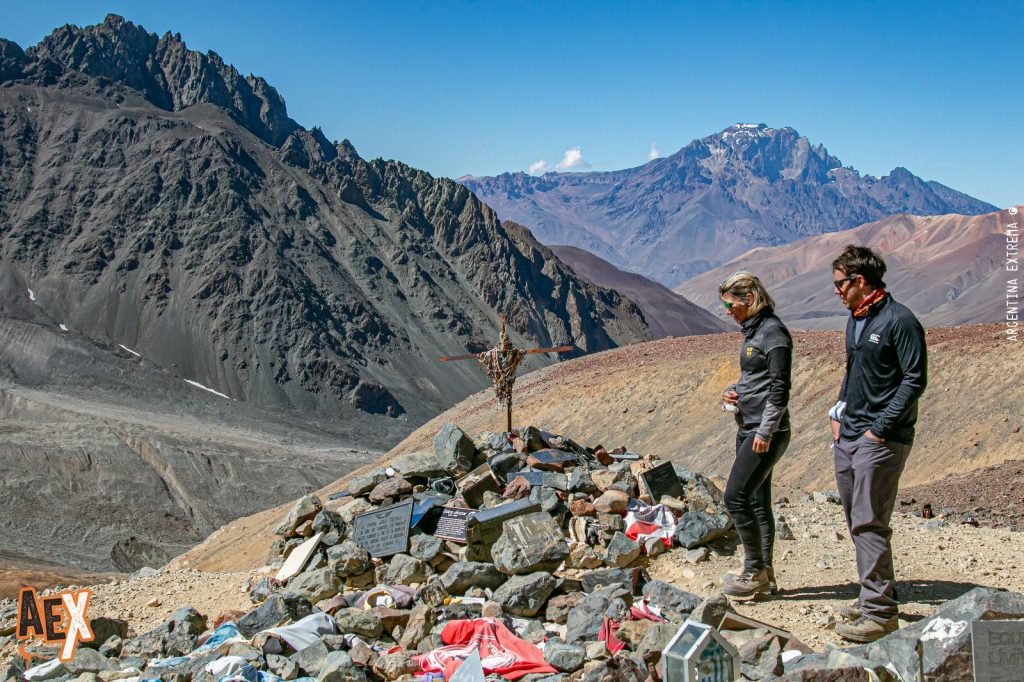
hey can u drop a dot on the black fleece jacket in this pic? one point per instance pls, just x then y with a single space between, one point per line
886 373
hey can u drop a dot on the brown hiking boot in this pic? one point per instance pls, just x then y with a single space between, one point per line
748 585
850 612
865 629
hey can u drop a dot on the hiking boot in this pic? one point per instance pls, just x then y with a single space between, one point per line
865 629
851 612
748 585
773 587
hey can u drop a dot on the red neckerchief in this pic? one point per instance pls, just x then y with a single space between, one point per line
865 306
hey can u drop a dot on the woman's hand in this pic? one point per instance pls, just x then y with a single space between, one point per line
731 397
760 445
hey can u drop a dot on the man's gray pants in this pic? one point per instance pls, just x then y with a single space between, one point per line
868 475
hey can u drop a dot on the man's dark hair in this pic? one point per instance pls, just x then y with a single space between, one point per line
860 260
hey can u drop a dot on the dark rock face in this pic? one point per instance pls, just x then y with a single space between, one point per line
279 269
718 196
153 199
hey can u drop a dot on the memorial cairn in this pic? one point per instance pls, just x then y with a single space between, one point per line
525 544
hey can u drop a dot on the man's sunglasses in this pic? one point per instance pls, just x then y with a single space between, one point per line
839 282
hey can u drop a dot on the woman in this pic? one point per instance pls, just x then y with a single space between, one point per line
760 402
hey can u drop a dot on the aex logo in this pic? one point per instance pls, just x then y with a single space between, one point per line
58 619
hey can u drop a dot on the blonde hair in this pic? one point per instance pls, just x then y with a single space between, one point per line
739 284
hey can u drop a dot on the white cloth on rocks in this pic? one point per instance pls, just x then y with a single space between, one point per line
228 665
302 633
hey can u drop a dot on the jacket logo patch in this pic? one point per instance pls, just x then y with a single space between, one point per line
874 338
750 351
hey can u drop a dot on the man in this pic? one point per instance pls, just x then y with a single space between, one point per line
873 429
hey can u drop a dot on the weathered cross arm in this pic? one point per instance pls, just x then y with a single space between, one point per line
531 351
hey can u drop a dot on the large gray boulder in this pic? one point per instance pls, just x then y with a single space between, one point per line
463 575
699 528
454 449
530 543
670 598
525 595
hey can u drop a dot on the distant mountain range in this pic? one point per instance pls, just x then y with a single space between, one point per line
152 196
948 269
717 197
667 313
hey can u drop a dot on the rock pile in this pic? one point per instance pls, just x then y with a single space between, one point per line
545 535
527 548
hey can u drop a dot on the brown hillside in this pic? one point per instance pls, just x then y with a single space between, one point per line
661 397
946 268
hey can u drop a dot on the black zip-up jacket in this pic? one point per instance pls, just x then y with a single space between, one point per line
886 373
766 358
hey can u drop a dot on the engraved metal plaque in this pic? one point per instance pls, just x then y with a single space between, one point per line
385 531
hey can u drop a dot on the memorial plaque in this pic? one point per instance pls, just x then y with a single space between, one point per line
554 457
452 524
534 477
555 480
662 480
998 647
426 510
299 557
483 528
474 484
527 530
385 531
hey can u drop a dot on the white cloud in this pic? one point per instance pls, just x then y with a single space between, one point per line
538 166
653 153
572 160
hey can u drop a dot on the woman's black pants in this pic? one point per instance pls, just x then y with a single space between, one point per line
748 497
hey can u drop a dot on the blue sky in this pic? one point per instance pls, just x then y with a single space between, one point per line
487 87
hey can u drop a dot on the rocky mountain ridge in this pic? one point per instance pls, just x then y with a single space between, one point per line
749 185
152 197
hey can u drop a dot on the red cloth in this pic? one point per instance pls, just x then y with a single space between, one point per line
501 651
607 635
643 612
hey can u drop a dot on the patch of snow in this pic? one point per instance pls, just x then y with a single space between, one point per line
205 388
129 350
63 328
31 295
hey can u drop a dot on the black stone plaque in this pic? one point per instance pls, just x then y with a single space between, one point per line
452 524
534 477
385 531
553 456
662 480
998 647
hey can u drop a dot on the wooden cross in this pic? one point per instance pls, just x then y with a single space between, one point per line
501 363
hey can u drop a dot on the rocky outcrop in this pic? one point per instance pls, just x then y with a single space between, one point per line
150 196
